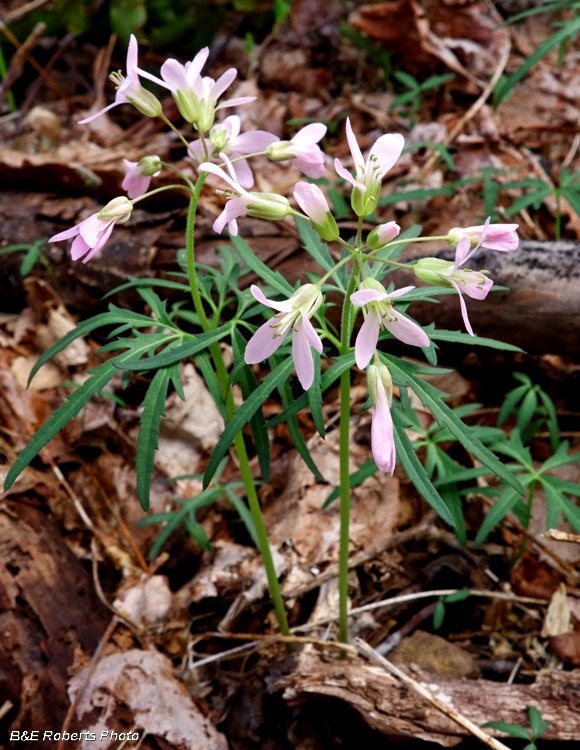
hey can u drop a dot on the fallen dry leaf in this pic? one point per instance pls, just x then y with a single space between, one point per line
142 682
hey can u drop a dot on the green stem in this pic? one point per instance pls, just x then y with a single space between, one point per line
558 216
344 454
390 262
161 190
178 134
239 444
407 241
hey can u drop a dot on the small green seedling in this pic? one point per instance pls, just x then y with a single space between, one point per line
537 728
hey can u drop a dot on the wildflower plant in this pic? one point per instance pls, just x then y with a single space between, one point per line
296 333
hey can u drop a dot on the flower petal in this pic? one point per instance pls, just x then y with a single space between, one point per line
174 75
400 292
502 237
382 434
346 175
236 102
302 355
193 69
79 248
98 114
477 291
463 309
219 172
364 296
284 306
91 229
387 150
135 183
234 207
253 141
461 252
312 337
222 83
406 331
353 145
244 174
310 134
151 77
366 341
66 235
132 55
263 343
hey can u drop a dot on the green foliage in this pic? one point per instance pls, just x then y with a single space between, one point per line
568 31
439 612
537 728
413 97
379 57
33 254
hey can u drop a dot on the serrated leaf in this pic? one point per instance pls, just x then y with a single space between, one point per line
506 502
415 470
527 409
100 376
509 403
114 316
147 442
244 414
459 337
273 278
430 397
212 383
170 356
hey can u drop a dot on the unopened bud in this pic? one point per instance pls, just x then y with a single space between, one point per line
118 209
150 165
382 235
433 270
379 379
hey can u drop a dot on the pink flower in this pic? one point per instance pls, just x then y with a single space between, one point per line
382 432
225 137
92 233
311 200
293 313
139 173
502 237
369 173
475 284
129 89
302 148
196 97
241 203
381 312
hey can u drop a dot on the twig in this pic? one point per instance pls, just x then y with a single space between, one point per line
561 536
5 708
365 650
276 638
423 595
94 661
18 13
257 640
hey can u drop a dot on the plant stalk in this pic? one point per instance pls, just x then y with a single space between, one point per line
239 444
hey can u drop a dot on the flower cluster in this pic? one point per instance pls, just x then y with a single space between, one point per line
223 144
